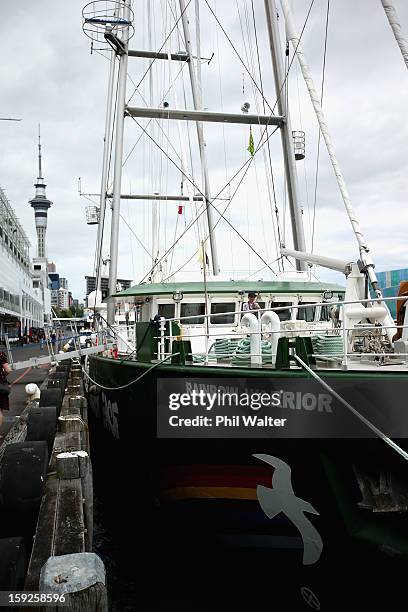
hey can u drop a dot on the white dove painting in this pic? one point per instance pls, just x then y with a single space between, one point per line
281 498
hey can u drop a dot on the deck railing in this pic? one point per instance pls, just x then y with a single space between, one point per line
313 329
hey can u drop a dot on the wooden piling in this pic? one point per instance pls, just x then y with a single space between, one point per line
81 577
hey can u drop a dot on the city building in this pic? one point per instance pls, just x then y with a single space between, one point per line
63 283
63 299
21 303
60 298
121 285
54 281
389 282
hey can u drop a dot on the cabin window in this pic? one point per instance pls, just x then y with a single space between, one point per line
166 310
284 315
308 313
192 310
325 313
218 309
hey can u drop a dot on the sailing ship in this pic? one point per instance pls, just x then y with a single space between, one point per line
330 354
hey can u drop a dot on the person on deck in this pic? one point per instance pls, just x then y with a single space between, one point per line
4 398
251 304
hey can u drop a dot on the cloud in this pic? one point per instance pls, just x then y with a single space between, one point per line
48 75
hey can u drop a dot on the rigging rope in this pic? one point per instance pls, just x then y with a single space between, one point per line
161 48
237 54
276 231
247 164
320 132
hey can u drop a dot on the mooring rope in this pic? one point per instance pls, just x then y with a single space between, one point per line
373 428
133 381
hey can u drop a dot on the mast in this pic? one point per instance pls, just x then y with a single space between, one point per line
117 177
286 133
104 179
395 24
201 142
293 36
150 128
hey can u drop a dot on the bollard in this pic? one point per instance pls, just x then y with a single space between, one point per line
81 576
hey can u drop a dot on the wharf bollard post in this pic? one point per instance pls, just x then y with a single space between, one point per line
71 424
77 464
74 388
78 406
79 576
74 424
72 464
75 403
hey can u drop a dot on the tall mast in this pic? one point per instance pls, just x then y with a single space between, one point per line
201 142
150 129
395 24
286 133
117 176
104 180
293 36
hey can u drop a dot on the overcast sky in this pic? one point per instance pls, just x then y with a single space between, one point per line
48 75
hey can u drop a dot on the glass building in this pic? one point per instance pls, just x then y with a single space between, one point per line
389 282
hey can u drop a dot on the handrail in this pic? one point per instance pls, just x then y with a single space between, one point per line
304 330
326 328
279 308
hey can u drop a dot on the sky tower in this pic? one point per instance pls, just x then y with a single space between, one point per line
41 204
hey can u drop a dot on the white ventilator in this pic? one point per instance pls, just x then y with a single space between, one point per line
271 319
251 321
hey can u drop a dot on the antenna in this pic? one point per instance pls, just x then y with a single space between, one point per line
103 24
39 152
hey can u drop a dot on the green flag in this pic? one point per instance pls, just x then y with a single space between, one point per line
251 146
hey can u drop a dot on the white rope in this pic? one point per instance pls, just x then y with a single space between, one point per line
294 39
395 24
133 381
370 425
